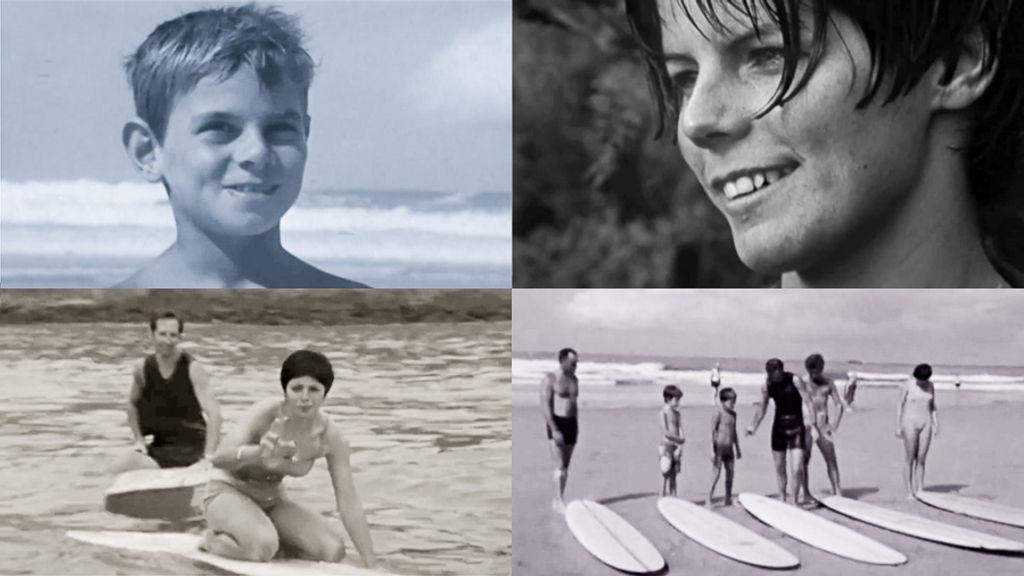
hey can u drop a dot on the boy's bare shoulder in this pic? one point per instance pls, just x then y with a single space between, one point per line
301 274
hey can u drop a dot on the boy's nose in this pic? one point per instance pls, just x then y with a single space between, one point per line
253 153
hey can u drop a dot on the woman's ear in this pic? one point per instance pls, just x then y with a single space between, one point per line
142 148
967 82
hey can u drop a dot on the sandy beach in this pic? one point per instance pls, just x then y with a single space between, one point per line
978 454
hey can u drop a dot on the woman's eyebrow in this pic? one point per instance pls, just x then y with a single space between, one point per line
728 41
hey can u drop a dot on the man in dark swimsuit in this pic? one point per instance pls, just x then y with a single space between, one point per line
788 431
558 404
170 402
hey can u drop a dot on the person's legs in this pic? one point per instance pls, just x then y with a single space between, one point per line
716 471
132 460
797 455
236 527
828 451
910 440
562 455
780 471
310 535
728 480
805 477
924 442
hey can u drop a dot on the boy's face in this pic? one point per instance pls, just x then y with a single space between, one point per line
234 153
730 403
674 401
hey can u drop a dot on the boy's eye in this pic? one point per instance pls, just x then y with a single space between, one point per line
216 127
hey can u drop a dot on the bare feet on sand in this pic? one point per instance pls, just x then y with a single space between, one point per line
558 506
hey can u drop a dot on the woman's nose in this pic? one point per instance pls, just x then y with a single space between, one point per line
714 113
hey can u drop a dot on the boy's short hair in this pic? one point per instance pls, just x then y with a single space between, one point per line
773 365
906 37
815 362
671 391
923 372
307 363
727 394
214 42
564 353
153 320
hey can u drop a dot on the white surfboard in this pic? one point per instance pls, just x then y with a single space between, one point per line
187 545
157 493
919 527
158 479
611 539
724 536
816 531
973 507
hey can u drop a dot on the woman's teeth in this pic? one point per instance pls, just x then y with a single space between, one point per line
747 184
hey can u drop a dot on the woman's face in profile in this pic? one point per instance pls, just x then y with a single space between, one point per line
813 180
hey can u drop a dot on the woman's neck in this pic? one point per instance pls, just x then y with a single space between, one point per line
931 240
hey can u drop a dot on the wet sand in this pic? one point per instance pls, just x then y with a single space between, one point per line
979 452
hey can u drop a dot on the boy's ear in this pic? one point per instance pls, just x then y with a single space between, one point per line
968 80
141 145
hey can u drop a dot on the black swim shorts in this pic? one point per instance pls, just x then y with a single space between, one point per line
568 426
788 433
176 455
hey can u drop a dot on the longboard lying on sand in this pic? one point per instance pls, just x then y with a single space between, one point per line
919 527
724 536
610 538
155 493
972 507
816 531
187 545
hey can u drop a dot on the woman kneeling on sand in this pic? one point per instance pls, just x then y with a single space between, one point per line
917 422
248 514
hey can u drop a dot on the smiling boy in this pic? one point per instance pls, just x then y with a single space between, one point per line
221 100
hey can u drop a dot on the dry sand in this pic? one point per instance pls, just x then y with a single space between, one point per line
980 452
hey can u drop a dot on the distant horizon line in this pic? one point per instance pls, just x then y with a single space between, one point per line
713 359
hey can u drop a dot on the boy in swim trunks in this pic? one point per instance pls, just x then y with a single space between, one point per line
725 443
670 450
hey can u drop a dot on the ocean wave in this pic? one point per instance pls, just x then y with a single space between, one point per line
614 374
89 203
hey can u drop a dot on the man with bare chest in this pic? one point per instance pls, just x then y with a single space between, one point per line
558 405
822 388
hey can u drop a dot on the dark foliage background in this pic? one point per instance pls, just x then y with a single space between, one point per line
597 201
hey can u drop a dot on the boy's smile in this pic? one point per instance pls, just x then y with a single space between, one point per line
234 153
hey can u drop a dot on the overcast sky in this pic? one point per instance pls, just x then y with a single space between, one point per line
414 94
942 326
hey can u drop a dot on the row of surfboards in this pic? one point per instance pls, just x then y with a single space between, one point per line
615 542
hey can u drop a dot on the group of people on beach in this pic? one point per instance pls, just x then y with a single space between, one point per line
802 419
175 422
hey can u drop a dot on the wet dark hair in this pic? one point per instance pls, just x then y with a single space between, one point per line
814 362
307 363
153 320
215 42
773 365
564 353
671 391
905 37
923 372
727 394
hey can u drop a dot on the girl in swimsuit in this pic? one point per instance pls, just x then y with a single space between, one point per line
248 514
917 422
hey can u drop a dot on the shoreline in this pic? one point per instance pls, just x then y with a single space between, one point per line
973 455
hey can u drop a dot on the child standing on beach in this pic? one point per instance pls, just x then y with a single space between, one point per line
671 447
221 101
725 443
